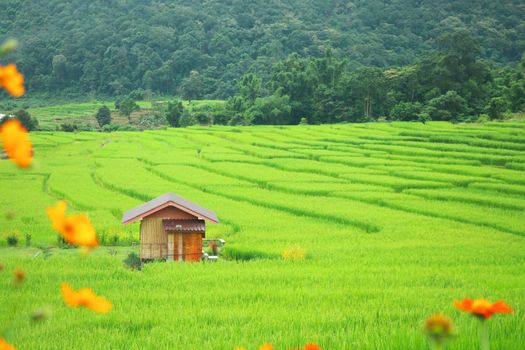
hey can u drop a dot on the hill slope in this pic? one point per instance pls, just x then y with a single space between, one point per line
113 47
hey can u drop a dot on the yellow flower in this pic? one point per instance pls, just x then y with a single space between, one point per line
75 229
86 298
12 80
5 345
439 328
293 253
16 143
266 346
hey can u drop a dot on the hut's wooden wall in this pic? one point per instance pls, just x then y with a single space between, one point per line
172 213
171 246
153 239
154 242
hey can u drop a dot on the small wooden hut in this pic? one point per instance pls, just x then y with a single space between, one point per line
171 228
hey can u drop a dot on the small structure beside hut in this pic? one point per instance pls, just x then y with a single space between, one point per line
171 228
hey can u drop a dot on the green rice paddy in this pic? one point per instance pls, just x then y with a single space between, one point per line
49 117
398 220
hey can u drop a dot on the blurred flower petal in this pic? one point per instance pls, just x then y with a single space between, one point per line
16 143
76 229
12 80
85 297
5 345
482 307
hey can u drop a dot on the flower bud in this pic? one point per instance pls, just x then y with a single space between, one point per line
20 276
8 46
41 314
439 328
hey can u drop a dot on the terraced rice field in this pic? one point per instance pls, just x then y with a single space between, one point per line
51 116
398 220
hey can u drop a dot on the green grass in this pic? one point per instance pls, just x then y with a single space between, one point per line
398 220
49 117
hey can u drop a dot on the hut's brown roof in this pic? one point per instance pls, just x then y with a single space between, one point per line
184 225
166 200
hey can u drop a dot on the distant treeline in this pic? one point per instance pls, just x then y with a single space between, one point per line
452 84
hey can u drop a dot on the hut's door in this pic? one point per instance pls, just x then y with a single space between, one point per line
186 246
178 247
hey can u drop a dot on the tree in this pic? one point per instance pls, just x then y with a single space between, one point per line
27 121
406 111
60 69
128 106
292 78
496 107
191 87
274 109
103 116
368 85
186 119
516 91
236 105
202 118
328 69
329 101
517 95
459 69
459 46
118 101
447 107
174 112
250 87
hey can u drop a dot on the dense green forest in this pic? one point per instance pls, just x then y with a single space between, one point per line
116 46
450 85
279 60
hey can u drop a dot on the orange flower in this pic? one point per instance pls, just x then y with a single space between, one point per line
266 346
5 345
16 143
85 297
482 307
20 275
309 346
75 229
12 80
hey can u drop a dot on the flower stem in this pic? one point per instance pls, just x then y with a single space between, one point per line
484 335
437 345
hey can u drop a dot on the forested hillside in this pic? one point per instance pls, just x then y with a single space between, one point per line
112 47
